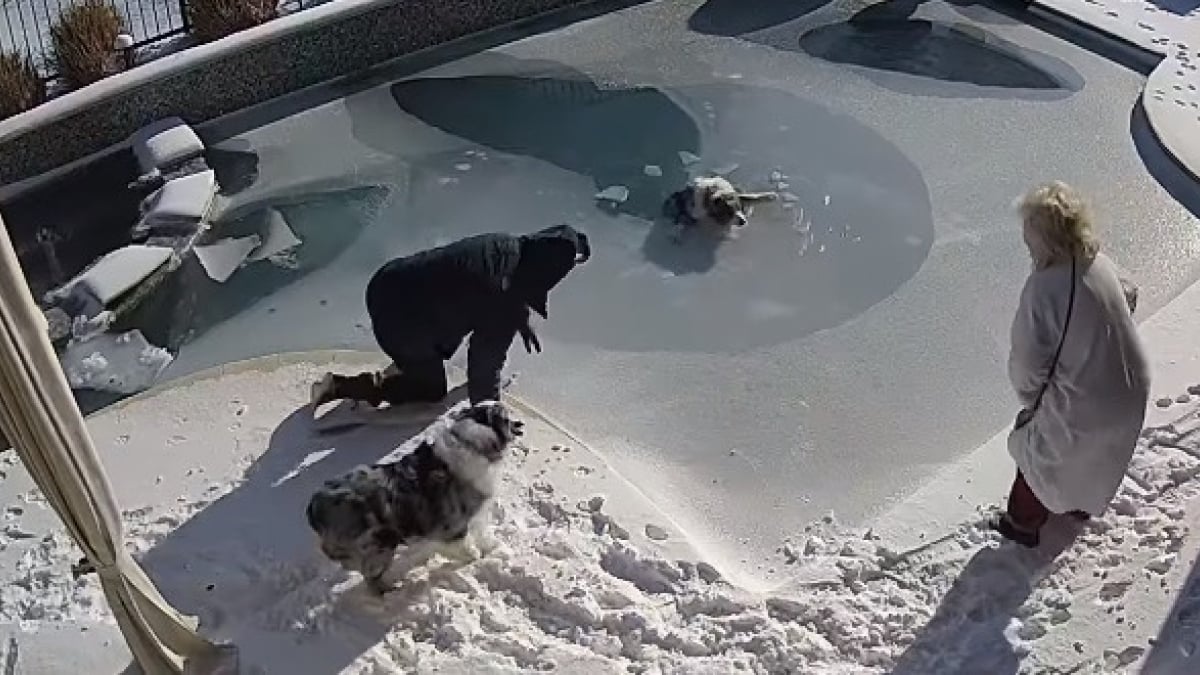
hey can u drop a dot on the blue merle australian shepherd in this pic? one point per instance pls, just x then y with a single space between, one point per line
426 501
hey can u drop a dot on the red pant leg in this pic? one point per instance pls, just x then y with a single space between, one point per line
1024 508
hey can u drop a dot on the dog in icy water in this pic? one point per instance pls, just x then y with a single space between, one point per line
712 201
429 501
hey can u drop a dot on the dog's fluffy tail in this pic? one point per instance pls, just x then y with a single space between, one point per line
758 196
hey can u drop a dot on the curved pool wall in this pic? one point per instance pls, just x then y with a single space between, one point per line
290 53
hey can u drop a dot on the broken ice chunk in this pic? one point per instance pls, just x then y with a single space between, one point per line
58 323
686 158
221 260
653 170
617 194
119 363
278 238
726 169
463 166
286 260
826 200
84 329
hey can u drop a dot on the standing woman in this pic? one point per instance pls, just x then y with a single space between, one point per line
1078 368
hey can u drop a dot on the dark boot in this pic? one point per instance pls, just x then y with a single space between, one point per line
1011 531
415 383
1024 516
361 387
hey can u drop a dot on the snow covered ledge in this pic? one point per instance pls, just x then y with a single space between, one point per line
1170 30
1171 100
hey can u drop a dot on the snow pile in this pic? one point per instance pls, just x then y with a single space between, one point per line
564 587
37 591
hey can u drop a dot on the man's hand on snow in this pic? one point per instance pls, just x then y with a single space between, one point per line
530 339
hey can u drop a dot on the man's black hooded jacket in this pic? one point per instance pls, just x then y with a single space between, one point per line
486 282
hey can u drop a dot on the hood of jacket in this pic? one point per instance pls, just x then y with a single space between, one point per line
545 259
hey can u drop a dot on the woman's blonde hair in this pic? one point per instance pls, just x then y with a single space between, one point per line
1058 224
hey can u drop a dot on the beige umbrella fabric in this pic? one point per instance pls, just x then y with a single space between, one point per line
39 417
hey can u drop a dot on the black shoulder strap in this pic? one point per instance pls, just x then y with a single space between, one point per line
1061 340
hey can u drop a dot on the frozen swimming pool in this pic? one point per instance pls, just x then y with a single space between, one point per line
827 359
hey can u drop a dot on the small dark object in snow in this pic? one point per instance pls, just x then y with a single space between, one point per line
323 303
82 568
210 587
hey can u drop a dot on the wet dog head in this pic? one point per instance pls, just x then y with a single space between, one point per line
341 515
720 202
497 420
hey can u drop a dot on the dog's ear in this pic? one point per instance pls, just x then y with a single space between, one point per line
317 511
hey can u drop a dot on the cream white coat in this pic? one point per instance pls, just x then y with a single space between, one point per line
1075 450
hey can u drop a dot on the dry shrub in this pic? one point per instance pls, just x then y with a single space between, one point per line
85 42
20 86
214 19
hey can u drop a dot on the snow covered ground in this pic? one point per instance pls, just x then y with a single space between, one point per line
589 576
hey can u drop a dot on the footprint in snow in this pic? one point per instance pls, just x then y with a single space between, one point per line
1114 590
